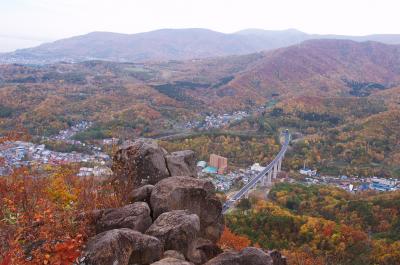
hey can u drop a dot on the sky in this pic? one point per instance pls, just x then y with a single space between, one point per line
27 23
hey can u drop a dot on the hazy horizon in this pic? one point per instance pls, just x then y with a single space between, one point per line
27 22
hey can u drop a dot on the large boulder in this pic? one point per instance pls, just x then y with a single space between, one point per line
195 195
172 261
247 256
141 194
182 163
139 163
201 250
122 246
135 216
175 229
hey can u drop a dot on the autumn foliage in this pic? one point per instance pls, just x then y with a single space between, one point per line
38 215
229 240
323 225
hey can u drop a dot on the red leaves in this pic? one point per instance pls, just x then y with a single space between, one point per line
6 260
30 214
229 240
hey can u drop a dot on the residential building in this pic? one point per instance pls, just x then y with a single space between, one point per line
219 162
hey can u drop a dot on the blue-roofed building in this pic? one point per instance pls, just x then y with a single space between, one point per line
363 186
381 187
210 170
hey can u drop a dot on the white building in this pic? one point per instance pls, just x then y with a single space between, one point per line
308 172
202 164
257 167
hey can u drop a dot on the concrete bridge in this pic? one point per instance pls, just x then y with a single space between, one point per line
264 177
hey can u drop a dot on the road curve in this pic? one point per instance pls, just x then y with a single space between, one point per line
253 182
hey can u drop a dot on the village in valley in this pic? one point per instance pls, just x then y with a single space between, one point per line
226 179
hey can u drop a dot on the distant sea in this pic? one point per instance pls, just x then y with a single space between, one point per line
9 44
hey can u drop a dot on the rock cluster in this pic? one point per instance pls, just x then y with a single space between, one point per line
145 162
171 220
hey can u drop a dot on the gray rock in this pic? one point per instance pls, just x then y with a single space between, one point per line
171 261
182 163
140 163
201 250
135 216
173 254
122 246
195 195
141 194
175 229
247 256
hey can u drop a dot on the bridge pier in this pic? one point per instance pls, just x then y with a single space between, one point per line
270 177
275 173
280 164
263 178
266 180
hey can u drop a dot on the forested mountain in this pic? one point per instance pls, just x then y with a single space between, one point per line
338 94
169 44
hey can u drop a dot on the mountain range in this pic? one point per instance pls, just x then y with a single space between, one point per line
169 44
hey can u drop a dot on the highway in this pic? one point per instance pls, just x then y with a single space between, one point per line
253 182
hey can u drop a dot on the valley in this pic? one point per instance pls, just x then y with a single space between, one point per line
337 94
64 123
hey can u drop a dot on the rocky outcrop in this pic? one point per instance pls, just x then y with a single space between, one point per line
176 230
182 163
122 246
201 250
180 215
247 256
141 194
194 195
145 162
140 163
135 216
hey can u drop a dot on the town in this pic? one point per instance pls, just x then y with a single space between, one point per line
227 181
215 121
17 154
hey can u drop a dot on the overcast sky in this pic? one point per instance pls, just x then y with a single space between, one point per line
25 23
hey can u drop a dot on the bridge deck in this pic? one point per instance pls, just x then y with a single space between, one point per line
253 182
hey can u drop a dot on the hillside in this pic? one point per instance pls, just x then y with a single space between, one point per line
322 224
319 88
323 67
169 44
159 45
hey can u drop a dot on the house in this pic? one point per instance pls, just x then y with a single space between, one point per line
201 164
308 172
257 167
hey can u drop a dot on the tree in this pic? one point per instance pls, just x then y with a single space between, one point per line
229 240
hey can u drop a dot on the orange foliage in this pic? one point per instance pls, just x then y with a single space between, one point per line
302 258
38 215
229 240
20 134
